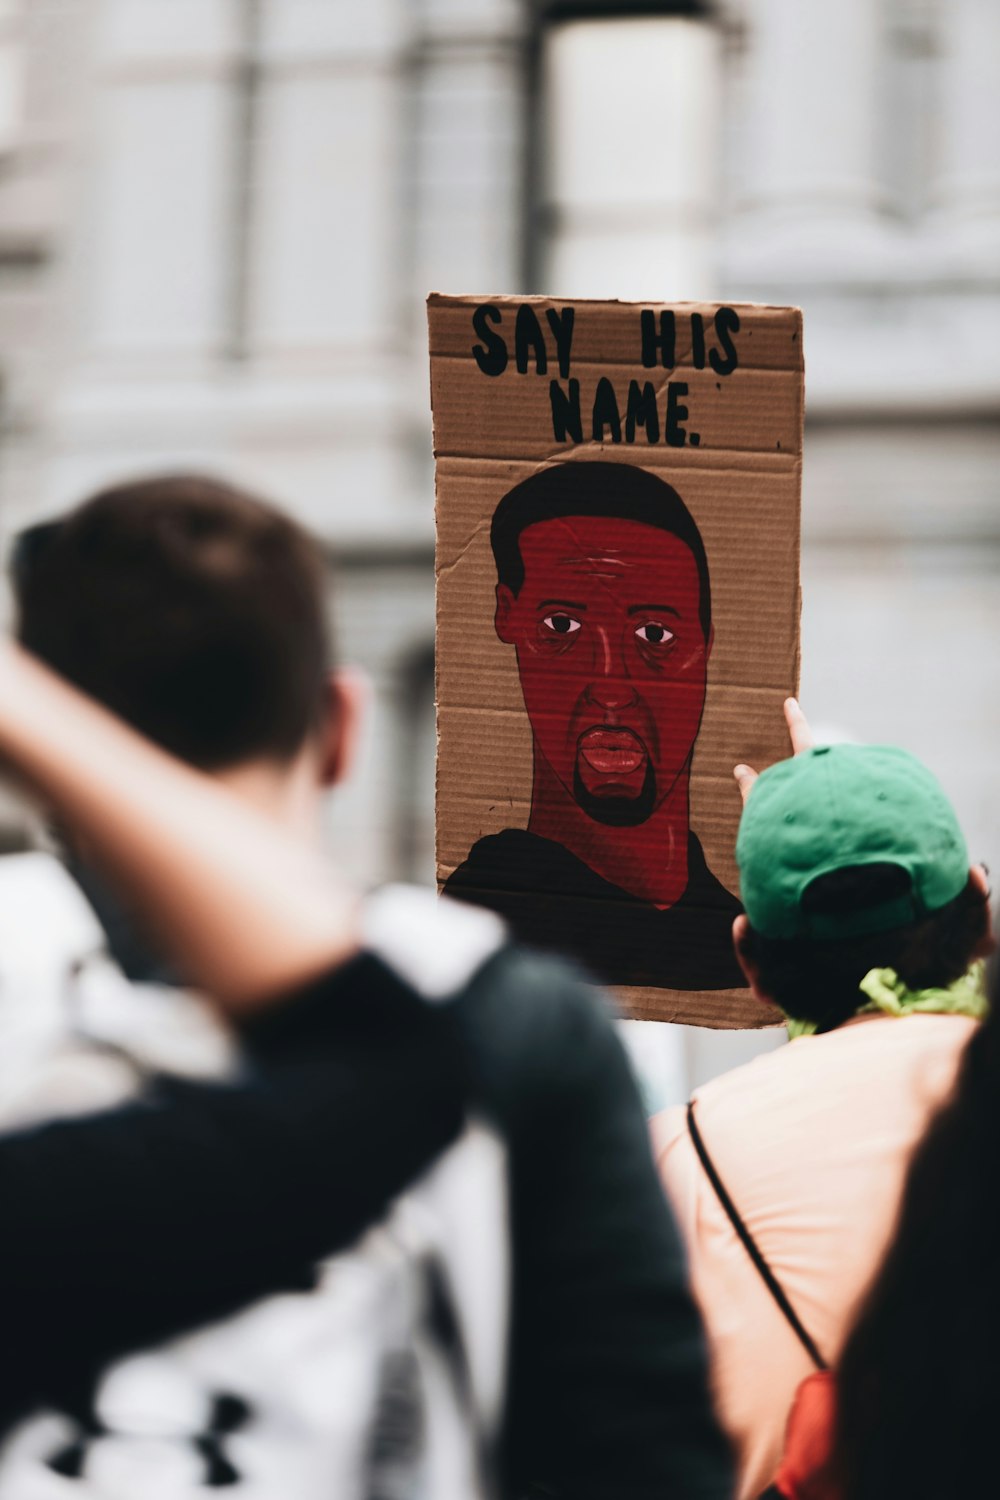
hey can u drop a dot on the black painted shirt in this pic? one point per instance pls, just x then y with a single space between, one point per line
552 900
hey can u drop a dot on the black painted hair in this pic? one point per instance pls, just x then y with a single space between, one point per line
816 979
194 611
595 489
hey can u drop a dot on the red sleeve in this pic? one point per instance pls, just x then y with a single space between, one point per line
803 1474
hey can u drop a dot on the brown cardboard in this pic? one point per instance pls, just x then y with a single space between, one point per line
616 686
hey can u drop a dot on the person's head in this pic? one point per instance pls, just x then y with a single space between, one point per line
197 614
851 859
603 590
917 1377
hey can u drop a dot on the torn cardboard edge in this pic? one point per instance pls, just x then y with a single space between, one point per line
718 1010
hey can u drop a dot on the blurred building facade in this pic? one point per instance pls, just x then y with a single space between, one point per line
219 218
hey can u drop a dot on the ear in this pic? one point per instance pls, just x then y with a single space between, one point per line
740 929
347 694
502 618
987 944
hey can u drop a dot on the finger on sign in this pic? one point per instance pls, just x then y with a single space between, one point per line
798 727
745 778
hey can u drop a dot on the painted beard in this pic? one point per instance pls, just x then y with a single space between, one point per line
615 811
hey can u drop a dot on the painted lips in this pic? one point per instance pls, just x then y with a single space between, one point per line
612 751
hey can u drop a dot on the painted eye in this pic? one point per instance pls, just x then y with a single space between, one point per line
654 635
561 624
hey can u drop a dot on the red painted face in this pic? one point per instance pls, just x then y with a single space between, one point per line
612 658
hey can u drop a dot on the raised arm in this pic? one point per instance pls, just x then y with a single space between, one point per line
125 1227
245 910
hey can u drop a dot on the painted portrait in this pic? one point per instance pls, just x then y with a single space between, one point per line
617 624
603 592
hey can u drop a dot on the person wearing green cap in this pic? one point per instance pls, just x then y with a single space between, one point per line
860 909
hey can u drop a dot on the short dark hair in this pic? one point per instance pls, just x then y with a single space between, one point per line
194 611
595 489
817 980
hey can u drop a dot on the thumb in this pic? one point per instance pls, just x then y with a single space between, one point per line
745 778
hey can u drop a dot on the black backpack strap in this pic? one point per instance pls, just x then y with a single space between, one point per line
750 1245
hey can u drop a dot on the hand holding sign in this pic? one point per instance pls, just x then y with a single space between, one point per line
800 735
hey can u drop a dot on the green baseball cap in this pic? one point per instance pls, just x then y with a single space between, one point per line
836 807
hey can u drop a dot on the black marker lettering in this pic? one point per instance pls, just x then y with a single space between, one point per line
662 341
698 341
566 412
606 411
528 335
641 409
727 322
561 324
673 432
491 354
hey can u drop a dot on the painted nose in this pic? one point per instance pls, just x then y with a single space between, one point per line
611 693
611 688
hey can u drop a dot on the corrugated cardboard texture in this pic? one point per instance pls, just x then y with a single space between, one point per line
735 459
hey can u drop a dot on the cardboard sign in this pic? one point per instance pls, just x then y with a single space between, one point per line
618 623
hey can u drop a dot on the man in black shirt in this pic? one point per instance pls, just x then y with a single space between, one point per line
224 663
603 590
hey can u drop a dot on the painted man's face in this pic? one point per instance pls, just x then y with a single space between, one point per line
612 658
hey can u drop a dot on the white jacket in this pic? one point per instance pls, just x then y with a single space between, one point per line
346 1390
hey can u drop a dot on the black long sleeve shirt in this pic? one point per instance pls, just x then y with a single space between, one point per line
120 1229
